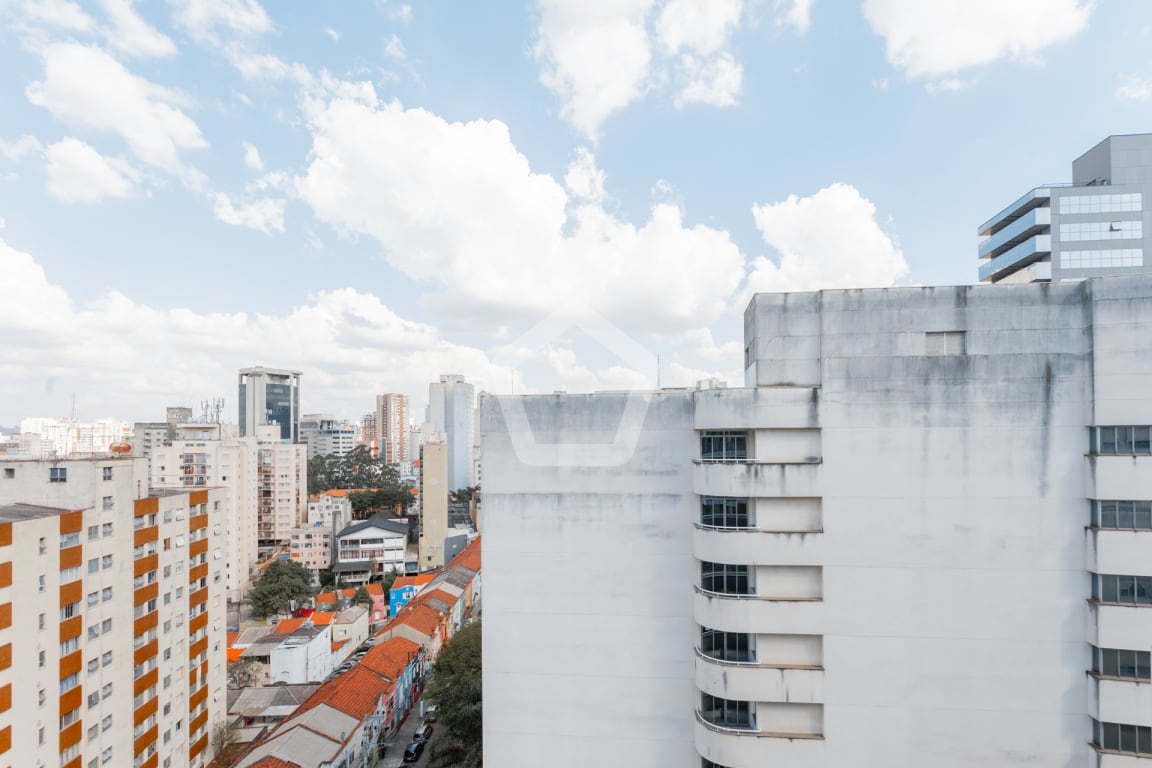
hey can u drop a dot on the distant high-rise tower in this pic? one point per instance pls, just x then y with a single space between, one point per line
1094 227
451 403
392 427
270 396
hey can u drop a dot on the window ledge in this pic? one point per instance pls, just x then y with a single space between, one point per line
729 529
755 664
1106 751
1119 679
1095 601
813 460
764 598
758 734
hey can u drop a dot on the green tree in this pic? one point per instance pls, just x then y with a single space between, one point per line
389 579
464 494
282 582
456 688
361 597
327 580
359 469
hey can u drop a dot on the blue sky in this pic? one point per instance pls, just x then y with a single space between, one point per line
376 193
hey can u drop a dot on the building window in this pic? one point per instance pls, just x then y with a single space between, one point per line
106 561
106 594
69 540
106 626
1131 665
1121 441
726 713
724 513
93 532
1113 203
106 659
938 343
69 610
726 646
70 682
724 579
106 530
1111 257
58 475
1132 229
94 565
724 446
43 545
9 473
106 691
93 699
1126 590
1134 739
107 473
93 599
1122 515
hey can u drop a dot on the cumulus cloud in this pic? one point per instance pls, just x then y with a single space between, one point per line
204 20
795 13
77 173
85 87
940 38
830 239
394 49
63 14
457 205
584 180
132 35
264 215
599 57
252 157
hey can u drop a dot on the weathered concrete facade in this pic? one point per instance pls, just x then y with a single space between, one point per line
898 545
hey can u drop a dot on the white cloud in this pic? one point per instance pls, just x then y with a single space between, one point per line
252 157
394 48
22 147
827 240
935 39
599 57
57 13
264 215
1135 87
77 173
84 86
457 205
880 83
584 181
595 56
401 13
132 359
797 14
203 19
716 81
132 35
332 34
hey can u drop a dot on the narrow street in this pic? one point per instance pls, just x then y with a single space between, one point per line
394 755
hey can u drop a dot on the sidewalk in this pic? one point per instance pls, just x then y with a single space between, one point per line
394 757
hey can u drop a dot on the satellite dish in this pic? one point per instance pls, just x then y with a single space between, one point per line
120 448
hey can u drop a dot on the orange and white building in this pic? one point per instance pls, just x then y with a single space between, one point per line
111 617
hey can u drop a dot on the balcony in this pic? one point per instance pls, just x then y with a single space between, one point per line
1029 200
756 408
1031 250
1036 222
749 479
1123 701
750 681
757 547
754 614
737 746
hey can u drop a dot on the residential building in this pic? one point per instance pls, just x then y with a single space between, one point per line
1098 225
45 438
111 616
392 427
368 433
343 599
326 435
370 548
270 396
919 535
434 474
404 589
311 546
451 407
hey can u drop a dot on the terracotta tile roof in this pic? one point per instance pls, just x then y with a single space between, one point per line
274 762
355 693
287 626
231 638
338 645
421 618
234 654
373 589
390 657
322 618
437 594
413 581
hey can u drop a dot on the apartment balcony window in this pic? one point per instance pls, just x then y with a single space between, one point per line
726 646
1121 441
1124 590
726 713
58 475
1122 515
721 578
723 513
1129 665
724 446
1118 737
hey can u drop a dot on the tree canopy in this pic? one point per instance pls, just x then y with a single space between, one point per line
282 582
359 469
456 688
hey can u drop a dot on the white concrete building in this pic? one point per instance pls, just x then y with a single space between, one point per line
44 438
111 617
326 435
451 411
371 547
920 535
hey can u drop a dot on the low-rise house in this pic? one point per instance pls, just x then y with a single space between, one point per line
404 589
401 661
350 630
370 548
342 598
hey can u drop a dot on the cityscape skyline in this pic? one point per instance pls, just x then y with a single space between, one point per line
246 125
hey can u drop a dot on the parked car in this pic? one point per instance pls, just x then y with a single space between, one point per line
423 733
413 751
431 713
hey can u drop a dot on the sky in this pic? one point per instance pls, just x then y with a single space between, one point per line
555 195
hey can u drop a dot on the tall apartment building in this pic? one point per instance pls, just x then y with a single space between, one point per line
326 435
368 434
111 617
1098 225
451 407
270 396
920 534
392 427
47 438
433 500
